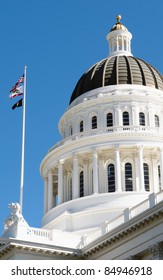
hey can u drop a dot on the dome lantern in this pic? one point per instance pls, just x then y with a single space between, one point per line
119 39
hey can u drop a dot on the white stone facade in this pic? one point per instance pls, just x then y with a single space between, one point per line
93 150
103 182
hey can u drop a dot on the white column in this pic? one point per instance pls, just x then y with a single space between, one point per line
75 178
100 118
45 195
50 190
117 43
161 167
102 183
136 172
122 42
155 174
65 191
118 116
135 114
118 184
86 179
95 172
60 182
141 168
150 116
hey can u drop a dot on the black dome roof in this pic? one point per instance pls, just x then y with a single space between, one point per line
116 70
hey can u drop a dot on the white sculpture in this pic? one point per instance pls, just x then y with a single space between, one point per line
15 215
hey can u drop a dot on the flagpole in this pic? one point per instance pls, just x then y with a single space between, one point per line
23 143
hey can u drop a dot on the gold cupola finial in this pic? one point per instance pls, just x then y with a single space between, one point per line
118 18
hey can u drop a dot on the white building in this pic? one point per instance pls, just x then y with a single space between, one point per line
103 182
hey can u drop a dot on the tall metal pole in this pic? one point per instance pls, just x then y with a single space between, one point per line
23 143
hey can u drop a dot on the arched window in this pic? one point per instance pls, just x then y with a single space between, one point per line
126 118
81 181
146 176
109 119
157 121
128 177
141 118
81 126
111 178
94 122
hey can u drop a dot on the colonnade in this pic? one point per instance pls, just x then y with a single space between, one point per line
120 43
95 175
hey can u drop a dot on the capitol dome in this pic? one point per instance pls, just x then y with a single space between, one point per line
110 158
119 68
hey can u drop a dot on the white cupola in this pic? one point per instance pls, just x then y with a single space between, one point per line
119 39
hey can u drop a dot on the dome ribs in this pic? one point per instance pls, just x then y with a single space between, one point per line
110 72
130 77
137 73
123 70
149 73
116 70
143 70
87 81
97 75
158 77
105 74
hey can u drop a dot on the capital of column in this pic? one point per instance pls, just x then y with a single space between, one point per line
139 148
75 156
60 162
153 156
45 179
116 147
116 107
94 151
100 157
50 172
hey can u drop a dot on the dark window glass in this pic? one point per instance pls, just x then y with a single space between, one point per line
70 188
94 122
71 130
111 178
141 118
109 119
128 177
126 118
146 176
81 184
157 121
81 126
159 177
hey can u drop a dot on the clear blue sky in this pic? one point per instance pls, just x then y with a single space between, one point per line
58 40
